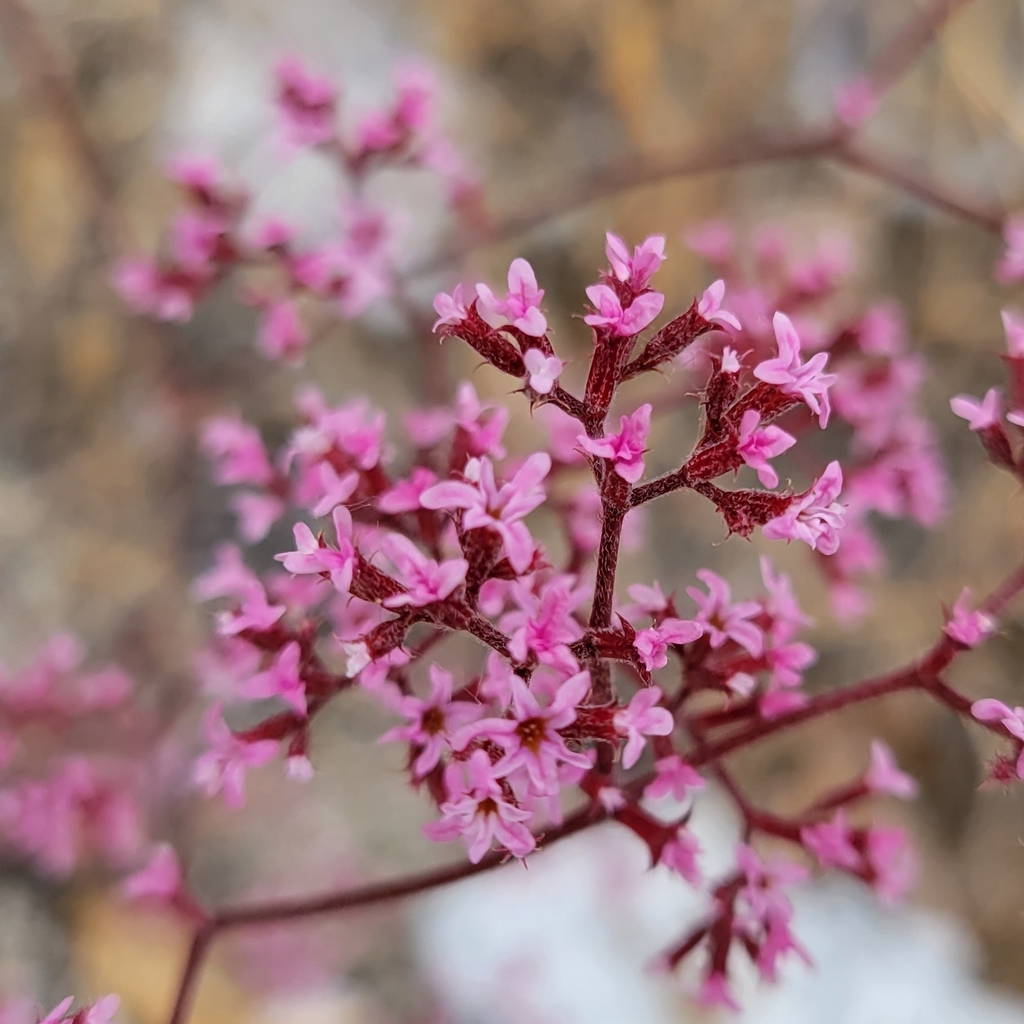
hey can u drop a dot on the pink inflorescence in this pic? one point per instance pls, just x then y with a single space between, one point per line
579 707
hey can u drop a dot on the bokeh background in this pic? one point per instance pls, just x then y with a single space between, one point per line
106 511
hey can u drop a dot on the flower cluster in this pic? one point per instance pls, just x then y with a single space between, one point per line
83 801
579 706
894 468
216 237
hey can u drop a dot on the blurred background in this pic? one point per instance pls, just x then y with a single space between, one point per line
107 512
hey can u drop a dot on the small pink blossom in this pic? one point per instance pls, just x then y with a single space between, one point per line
680 855
543 370
501 509
147 291
160 880
715 991
989 710
432 721
649 600
814 517
710 308
673 776
1011 267
1013 325
544 624
787 372
237 451
652 644
626 448
521 306
256 513
891 859
222 768
623 323
425 580
335 489
311 556
530 738
831 842
305 104
102 1011
968 627
639 268
979 415
764 882
228 577
885 776
640 718
282 679
478 810
758 445
282 334
255 612
723 619
404 495
856 101
450 309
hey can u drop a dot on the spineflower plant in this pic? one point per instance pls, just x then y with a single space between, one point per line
584 704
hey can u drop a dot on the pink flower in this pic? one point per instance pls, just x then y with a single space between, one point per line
639 268
256 513
305 104
856 101
148 292
722 619
641 718
543 370
892 860
814 517
763 891
968 627
979 415
715 991
228 577
478 810
313 556
757 446
884 775
831 843
544 624
710 308
1011 719
222 768
623 323
1011 267
673 776
530 738
59 1012
626 448
1013 325
793 377
237 451
102 1011
281 680
450 309
499 509
680 853
282 335
432 721
255 612
778 941
404 495
425 580
652 644
159 881
649 599
781 603
521 307
335 489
